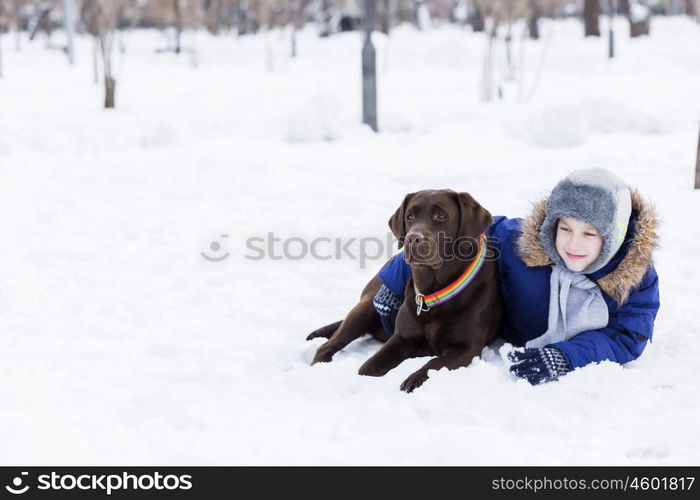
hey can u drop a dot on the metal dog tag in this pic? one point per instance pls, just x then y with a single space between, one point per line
419 301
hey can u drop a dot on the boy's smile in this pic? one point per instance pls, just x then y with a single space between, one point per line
578 243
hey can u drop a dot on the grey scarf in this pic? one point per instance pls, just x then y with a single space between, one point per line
576 305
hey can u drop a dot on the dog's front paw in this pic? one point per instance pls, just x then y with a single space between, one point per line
322 356
414 381
369 369
325 332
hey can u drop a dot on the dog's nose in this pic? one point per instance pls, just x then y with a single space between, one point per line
414 237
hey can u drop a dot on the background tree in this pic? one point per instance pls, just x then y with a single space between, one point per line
591 12
476 17
385 15
18 21
693 8
177 10
697 166
500 14
213 13
533 18
297 18
101 21
639 17
2 28
40 20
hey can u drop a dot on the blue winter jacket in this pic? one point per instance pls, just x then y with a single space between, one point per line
629 284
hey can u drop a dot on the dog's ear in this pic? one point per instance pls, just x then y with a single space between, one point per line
396 222
473 218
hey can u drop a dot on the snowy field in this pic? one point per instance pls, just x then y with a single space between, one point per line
121 344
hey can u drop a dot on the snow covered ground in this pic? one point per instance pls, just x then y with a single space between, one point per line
121 344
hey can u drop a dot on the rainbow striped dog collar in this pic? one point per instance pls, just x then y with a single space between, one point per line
450 291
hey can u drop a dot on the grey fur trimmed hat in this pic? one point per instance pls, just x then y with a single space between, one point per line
596 196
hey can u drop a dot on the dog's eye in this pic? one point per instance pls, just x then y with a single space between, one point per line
410 217
440 217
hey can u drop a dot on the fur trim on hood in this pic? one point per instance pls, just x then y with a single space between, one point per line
631 269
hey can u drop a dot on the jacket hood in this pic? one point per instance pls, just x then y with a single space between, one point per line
632 267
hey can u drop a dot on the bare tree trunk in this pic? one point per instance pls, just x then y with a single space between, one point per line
18 37
95 51
110 81
2 13
385 16
264 16
69 27
292 11
18 32
533 19
639 26
476 17
212 15
101 18
296 17
421 14
177 5
40 20
488 83
591 11
369 68
110 90
325 18
510 68
697 166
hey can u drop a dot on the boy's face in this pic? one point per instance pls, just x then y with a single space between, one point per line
578 243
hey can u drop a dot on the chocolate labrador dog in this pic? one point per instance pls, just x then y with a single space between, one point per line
452 306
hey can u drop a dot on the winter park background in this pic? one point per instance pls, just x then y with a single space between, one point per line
121 344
